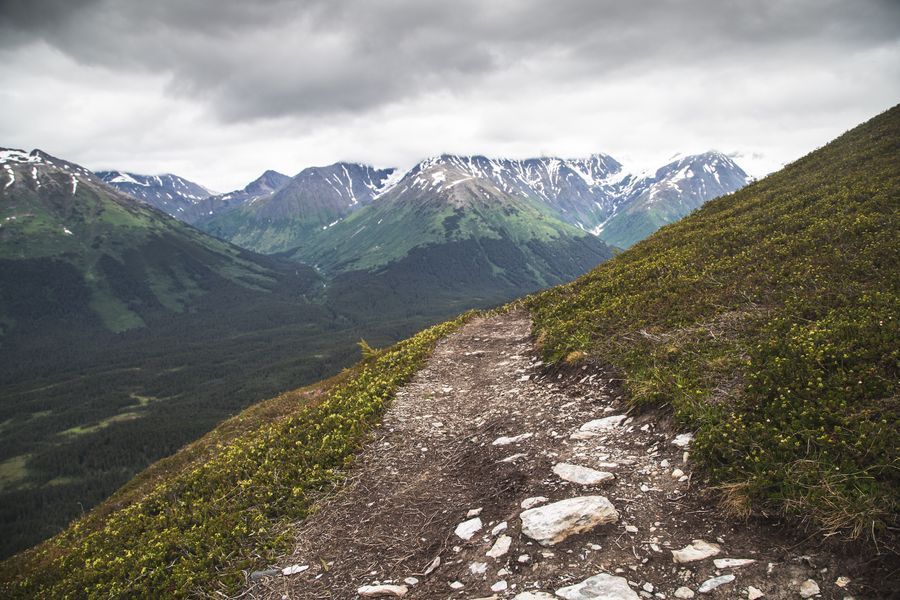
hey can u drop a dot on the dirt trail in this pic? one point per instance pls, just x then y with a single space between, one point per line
439 454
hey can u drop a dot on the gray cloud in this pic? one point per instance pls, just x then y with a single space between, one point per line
281 58
220 89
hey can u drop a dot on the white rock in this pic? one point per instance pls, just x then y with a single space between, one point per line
676 473
474 512
552 523
533 501
499 586
730 563
294 569
604 423
523 559
754 593
583 435
514 457
478 568
467 529
683 440
697 550
506 440
499 528
647 587
842 582
411 581
631 529
711 584
534 596
381 591
599 587
809 588
500 547
684 593
432 565
581 475
457 585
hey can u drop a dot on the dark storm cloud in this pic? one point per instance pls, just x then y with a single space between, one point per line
288 59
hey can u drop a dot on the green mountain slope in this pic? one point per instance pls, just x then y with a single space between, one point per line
441 238
767 320
134 261
314 198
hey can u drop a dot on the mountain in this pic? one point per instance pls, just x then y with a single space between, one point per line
171 194
213 206
134 262
765 322
581 191
314 198
594 194
441 235
672 192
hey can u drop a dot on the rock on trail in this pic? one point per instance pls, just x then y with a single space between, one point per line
484 480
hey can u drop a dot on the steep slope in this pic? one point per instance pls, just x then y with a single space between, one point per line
59 215
312 199
671 193
785 366
169 193
265 185
768 321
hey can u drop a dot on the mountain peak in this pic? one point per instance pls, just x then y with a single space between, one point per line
169 193
267 183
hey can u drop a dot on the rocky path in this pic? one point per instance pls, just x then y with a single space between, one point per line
492 477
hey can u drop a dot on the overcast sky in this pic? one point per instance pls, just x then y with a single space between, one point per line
220 90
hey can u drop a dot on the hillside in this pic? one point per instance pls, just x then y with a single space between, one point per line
768 322
765 322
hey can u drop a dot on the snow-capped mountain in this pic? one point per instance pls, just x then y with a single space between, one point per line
266 184
593 193
169 193
312 199
584 191
669 194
